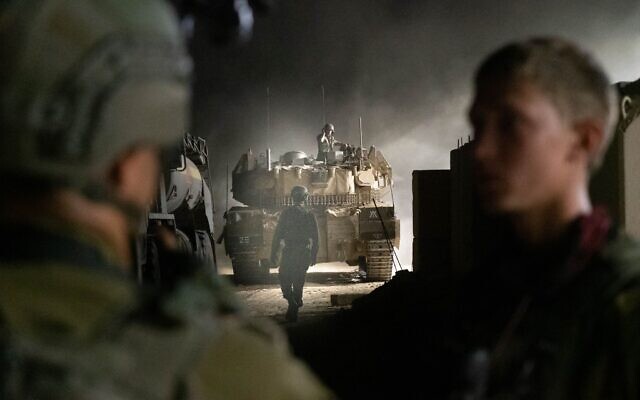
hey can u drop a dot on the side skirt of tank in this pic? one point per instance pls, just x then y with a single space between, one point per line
379 261
249 269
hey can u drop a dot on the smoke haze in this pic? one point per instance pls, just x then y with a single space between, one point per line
404 66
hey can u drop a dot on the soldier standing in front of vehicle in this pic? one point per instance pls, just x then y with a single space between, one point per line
299 230
90 92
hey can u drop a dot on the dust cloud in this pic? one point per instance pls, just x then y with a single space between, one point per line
404 66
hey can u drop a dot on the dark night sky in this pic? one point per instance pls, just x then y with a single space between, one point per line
404 66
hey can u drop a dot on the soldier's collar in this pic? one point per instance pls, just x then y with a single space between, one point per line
34 243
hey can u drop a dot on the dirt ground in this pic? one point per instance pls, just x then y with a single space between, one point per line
323 280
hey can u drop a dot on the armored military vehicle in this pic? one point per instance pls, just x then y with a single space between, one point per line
350 193
184 206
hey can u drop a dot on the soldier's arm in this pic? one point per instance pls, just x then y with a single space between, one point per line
313 228
277 237
222 234
321 139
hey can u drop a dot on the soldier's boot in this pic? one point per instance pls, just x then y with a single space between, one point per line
287 295
296 295
292 312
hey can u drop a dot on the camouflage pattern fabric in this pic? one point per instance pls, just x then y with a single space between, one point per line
561 323
555 323
80 82
74 327
298 228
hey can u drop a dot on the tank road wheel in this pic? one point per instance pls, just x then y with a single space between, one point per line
379 261
151 266
183 242
247 269
205 252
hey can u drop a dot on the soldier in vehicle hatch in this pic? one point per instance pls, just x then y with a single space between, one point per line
551 309
89 93
326 142
298 229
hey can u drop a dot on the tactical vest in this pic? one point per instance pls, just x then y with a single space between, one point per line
86 332
296 226
143 355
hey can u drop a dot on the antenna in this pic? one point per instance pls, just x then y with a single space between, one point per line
268 116
360 124
361 142
227 206
324 114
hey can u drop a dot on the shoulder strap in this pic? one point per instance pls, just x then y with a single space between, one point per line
144 357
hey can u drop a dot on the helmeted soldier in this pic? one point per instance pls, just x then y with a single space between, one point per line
326 142
298 229
89 92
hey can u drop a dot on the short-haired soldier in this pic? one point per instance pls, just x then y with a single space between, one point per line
551 309
557 309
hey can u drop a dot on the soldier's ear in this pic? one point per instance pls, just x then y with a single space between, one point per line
590 137
133 177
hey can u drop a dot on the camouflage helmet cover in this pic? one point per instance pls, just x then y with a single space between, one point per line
299 194
83 81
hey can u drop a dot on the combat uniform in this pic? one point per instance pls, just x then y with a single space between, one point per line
298 228
327 142
324 146
556 323
73 326
562 322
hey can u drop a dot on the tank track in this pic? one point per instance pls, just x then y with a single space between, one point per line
247 269
379 261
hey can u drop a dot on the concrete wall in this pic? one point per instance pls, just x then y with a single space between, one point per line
432 221
631 153
617 184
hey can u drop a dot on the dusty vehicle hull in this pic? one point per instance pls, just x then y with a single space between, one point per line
184 206
355 223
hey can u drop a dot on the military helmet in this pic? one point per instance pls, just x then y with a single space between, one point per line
299 194
83 81
329 127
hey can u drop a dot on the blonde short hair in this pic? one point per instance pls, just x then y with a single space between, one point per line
574 81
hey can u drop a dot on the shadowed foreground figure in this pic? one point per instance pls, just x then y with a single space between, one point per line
552 309
299 230
89 92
